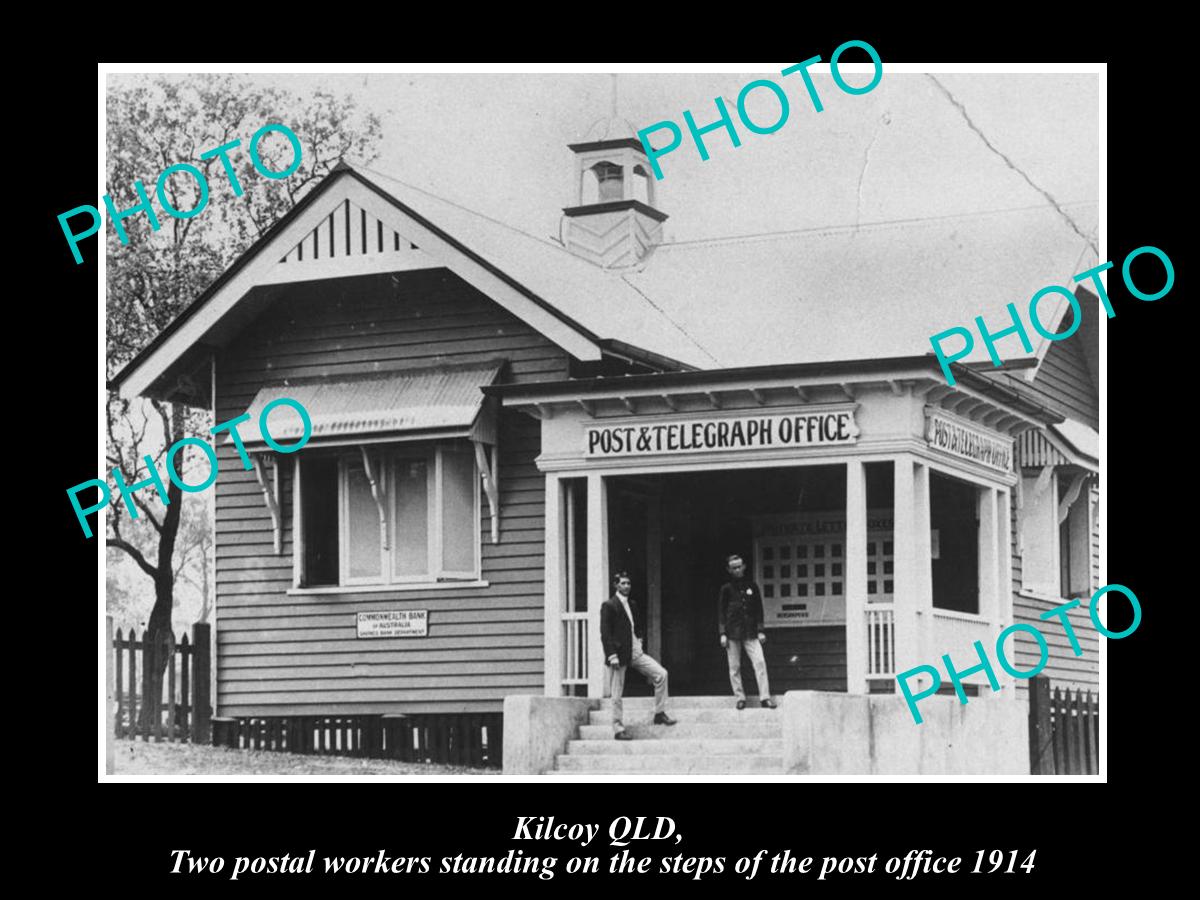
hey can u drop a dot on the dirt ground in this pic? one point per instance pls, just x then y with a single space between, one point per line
141 758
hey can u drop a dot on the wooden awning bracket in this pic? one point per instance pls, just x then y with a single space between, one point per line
377 494
270 494
1077 483
1043 481
489 474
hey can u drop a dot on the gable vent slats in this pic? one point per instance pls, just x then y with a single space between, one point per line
348 230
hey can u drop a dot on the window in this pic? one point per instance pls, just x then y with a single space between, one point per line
611 181
1075 536
1041 543
1056 531
319 513
601 183
954 515
412 517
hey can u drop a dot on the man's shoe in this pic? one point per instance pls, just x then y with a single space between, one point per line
623 736
769 703
663 719
741 704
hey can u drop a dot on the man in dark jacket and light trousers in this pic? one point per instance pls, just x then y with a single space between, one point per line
623 649
740 622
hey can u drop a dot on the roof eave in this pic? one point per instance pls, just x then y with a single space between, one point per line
341 171
645 357
922 367
236 266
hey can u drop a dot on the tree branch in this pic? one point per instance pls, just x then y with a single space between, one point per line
121 544
141 504
133 552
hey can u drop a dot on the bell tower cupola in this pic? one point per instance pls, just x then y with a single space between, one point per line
614 222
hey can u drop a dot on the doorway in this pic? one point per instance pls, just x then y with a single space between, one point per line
673 532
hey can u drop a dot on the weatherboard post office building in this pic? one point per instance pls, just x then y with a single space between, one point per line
500 421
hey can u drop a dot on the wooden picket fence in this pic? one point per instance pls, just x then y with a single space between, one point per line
466 739
1064 730
183 709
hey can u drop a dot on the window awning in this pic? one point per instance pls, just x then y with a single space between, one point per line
409 404
1081 443
1069 443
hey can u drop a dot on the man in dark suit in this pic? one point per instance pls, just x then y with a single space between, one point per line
740 622
622 650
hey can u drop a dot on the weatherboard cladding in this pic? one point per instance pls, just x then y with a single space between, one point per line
1063 384
280 654
1094 495
1064 668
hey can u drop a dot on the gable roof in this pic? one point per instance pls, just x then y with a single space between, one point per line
599 300
202 321
870 292
877 291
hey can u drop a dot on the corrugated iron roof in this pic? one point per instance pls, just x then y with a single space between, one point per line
425 399
597 299
878 290
1081 438
873 291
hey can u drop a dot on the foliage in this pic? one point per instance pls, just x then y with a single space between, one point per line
153 123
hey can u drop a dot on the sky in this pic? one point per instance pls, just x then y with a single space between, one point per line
498 144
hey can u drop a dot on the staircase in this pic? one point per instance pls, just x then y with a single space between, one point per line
711 736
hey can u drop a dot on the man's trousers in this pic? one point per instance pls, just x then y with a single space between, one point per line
654 673
733 651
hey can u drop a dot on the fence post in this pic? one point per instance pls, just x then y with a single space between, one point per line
185 688
132 684
1061 766
225 732
110 665
1041 751
1077 764
201 701
172 652
1091 766
147 668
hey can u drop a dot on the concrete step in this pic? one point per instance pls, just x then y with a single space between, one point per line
726 701
722 730
667 764
704 715
678 747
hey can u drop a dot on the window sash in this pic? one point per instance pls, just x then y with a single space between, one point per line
431 503
444 573
346 464
1040 565
1076 551
387 475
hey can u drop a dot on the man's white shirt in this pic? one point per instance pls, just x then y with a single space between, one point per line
637 643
